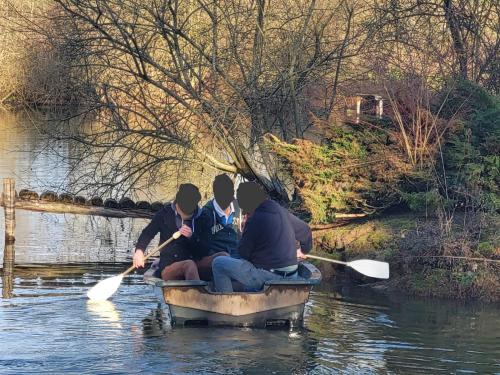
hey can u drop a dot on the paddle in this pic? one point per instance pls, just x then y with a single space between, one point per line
372 268
107 287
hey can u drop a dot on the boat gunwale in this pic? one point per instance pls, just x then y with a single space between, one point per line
313 279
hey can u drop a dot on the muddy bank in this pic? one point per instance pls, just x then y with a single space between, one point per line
426 259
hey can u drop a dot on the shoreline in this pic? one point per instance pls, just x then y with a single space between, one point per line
423 261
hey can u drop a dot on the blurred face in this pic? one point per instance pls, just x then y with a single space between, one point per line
187 198
249 196
182 214
223 191
244 202
224 199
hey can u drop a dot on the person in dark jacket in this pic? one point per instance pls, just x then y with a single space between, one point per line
177 259
267 246
220 237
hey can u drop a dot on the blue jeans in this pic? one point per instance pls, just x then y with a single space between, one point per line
225 269
235 253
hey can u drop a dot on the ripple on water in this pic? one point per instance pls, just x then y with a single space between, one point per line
390 338
52 328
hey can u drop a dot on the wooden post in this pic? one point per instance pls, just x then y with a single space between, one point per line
8 269
9 200
358 108
379 106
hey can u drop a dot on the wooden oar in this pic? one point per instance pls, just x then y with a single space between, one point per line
372 268
107 287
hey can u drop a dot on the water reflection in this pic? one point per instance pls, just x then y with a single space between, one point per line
26 154
156 323
226 350
401 334
105 311
66 238
33 153
28 157
8 270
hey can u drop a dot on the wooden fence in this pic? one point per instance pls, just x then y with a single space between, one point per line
61 203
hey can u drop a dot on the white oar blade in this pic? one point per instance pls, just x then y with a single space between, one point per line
105 288
372 268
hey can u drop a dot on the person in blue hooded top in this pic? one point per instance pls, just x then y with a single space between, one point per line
220 237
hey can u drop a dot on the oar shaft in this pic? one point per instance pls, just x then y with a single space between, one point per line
326 259
151 253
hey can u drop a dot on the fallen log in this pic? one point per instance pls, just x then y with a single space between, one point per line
65 208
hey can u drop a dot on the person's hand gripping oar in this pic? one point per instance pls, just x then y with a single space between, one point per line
107 287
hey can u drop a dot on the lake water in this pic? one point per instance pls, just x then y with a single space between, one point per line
48 326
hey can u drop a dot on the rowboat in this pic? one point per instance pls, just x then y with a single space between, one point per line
279 303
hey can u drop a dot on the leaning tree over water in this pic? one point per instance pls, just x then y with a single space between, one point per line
202 82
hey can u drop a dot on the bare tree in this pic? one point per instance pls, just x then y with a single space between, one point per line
201 82
35 62
461 37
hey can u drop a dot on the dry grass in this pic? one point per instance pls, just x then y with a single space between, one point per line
455 263
34 63
418 129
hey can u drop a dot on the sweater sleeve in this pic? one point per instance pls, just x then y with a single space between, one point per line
303 233
150 231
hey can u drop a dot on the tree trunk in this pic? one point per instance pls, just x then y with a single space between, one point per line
456 36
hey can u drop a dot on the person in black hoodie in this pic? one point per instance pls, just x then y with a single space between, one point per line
177 259
220 237
267 246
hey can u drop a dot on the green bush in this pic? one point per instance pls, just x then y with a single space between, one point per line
424 201
352 170
464 98
471 154
486 248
